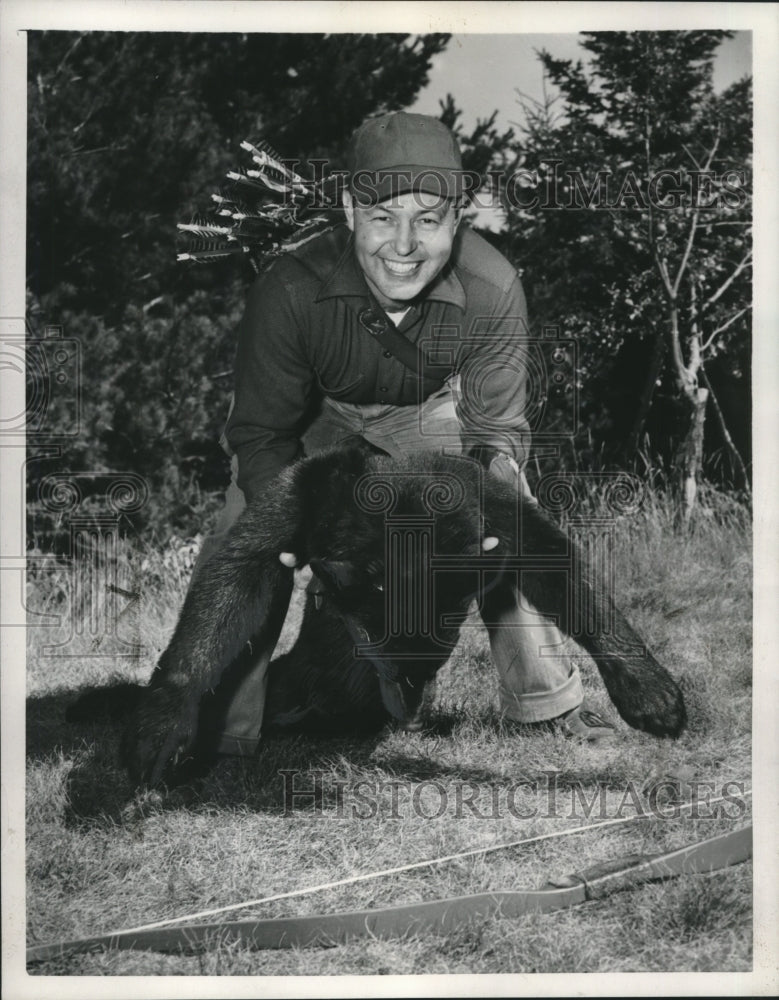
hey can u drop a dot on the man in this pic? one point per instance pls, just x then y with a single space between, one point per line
405 330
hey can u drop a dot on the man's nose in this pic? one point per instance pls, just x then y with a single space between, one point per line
405 241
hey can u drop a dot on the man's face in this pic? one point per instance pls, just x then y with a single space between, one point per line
402 243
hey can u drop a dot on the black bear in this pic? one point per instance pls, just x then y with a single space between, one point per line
399 549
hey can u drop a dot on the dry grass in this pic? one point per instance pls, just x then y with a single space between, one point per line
95 865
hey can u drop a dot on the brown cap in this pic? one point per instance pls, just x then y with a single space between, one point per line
402 152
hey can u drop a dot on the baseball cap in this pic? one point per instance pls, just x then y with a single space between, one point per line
400 152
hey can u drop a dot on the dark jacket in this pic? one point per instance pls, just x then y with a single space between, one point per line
307 330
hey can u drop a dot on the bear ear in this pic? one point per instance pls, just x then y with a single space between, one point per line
337 573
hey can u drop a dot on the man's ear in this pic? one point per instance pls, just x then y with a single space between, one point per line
348 203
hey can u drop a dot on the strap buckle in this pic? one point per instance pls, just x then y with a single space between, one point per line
373 322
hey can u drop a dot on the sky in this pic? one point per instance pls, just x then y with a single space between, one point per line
482 72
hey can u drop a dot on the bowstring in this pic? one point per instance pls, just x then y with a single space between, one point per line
383 873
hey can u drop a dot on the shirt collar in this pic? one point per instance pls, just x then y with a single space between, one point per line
346 279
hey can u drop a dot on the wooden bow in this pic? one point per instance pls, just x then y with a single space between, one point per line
439 917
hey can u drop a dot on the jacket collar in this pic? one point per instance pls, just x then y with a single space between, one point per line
346 279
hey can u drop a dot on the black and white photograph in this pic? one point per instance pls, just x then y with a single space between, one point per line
389 557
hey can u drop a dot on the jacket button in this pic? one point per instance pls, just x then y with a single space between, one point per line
383 388
387 354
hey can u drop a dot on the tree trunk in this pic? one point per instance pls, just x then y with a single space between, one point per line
689 456
652 375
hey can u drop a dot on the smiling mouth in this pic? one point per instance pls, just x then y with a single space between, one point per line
401 268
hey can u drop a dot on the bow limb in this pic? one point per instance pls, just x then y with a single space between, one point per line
438 917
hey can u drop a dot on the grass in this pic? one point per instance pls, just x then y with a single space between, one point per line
98 860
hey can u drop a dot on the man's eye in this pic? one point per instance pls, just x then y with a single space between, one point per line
429 220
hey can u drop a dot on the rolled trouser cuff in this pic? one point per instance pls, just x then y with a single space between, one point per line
540 706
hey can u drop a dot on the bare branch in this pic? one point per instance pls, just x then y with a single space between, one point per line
529 99
728 282
687 249
709 158
69 53
694 220
663 271
648 154
713 152
724 326
688 151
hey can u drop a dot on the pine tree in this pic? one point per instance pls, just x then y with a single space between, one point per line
128 134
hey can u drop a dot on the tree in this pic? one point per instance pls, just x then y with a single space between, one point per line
128 134
641 235
129 131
